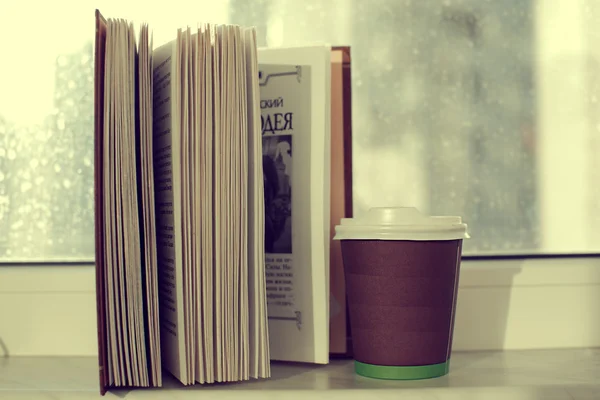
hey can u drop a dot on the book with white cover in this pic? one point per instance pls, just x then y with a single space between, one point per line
295 115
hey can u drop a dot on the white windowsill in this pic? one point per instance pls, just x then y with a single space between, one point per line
502 305
534 374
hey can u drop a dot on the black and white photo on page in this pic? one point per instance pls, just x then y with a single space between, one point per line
277 175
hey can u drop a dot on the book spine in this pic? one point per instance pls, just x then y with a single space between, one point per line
101 27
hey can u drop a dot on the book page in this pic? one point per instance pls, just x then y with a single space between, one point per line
231 233
187 190
168 212
295 120
223 156
119 265
148 224
219 210
241 279
124 208
259 355
205 193
236 189
197 66
115 359
131 197
183 189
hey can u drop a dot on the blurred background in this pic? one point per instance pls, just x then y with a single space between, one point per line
484 109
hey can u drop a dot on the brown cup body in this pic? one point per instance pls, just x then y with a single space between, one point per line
401 299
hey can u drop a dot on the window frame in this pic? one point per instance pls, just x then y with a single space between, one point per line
509 304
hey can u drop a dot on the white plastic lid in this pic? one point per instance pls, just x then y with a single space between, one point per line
400 223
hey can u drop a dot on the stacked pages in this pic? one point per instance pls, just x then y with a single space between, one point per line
179 206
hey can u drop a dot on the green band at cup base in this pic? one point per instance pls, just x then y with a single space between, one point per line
401 373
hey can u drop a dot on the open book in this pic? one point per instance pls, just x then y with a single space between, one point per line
179 207
202 267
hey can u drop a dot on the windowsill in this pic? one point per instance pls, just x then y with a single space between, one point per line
502 305
534 374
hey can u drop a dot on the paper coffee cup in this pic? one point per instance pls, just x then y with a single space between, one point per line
402 271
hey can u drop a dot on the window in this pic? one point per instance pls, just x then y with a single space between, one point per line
485 109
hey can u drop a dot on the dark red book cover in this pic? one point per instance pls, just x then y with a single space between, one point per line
341 194
100 46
